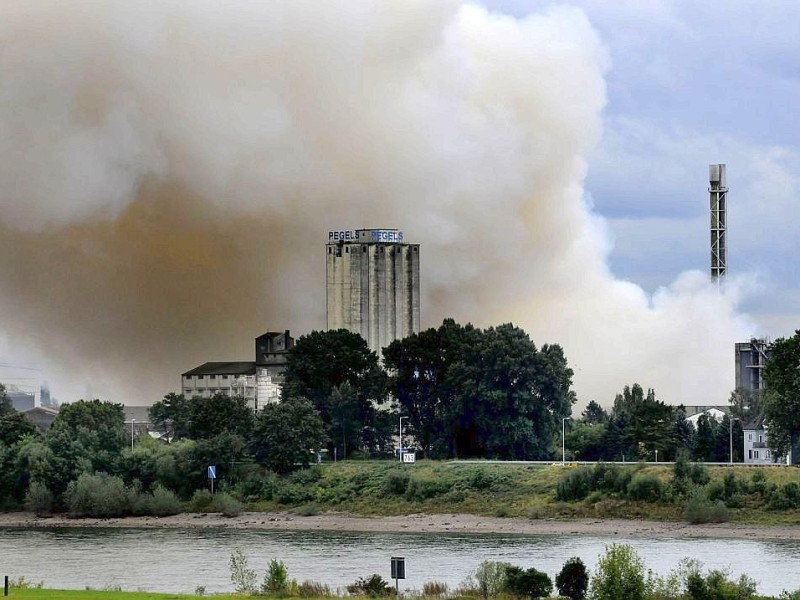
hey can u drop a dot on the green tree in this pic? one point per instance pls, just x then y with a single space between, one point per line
209 417
620 575
6 407
14 427
573 579
286 433
639 425
470 392
529 583
86 436
782 397
594 413
705 440
323 361
586 441
173 413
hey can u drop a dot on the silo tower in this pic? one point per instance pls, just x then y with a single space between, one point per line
718 191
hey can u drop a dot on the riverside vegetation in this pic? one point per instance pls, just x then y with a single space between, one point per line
682 491
620 575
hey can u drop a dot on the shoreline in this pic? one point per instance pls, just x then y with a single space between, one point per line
418 523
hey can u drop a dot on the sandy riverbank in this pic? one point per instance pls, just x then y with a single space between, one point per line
423 523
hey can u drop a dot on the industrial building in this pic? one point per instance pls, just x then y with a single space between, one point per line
373 285
259 382
751 357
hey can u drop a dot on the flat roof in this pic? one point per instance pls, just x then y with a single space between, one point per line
223 368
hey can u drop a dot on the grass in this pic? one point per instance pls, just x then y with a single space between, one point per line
46 594
385 488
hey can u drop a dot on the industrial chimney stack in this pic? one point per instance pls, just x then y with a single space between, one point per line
718 191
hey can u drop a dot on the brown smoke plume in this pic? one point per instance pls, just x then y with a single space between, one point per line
170 171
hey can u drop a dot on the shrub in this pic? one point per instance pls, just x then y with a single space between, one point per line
620 575
243 578
434 588
396 482
226 504
422 489
312 589
292 493
698 474
491 578
307 510
574 485
716 585
201 500
99 495
164 502
276 579
39 499
645 487
529 584
730 485
480 480
373 586
701 510
573 579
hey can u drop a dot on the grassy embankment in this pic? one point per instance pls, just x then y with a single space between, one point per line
46 594
377 488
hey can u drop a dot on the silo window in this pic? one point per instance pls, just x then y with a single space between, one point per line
330 250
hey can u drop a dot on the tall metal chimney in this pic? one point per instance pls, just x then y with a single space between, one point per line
718 191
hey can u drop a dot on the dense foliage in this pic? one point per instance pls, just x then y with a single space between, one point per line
782 398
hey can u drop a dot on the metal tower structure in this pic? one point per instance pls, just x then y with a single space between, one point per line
718 191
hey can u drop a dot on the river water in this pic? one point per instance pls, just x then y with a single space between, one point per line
174 560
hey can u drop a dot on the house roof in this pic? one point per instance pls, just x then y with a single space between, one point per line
223 368
755 424
41 409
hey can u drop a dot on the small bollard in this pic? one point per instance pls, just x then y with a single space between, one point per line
5 587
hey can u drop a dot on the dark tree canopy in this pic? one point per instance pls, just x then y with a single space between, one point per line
471 392
220 413
338 373
173 413
573 580
639 426
14 427
6 407
782 397
594 413
286 433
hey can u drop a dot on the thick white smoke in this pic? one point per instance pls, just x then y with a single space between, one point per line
170 169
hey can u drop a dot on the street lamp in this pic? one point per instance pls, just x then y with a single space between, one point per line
401 438
133 422
563 446
730 435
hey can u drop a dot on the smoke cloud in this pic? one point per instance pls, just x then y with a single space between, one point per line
170 171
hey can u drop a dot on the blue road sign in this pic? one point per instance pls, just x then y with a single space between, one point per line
212 472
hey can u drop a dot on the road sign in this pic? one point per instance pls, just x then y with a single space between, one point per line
212 472
398 567
409 457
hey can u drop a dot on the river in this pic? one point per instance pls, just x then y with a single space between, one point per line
179 560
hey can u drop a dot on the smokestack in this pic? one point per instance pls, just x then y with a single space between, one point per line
718 191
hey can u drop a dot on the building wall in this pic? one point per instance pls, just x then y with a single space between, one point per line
750 360
755 447
373 290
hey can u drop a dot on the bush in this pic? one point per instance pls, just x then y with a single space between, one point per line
373 586
698 474
243 578
226 504
620 575
573 579
527 584
434 589
396 483
164 502
99 495
422 489
491 578
574 485
701 510
716 585
276 579
201 500
645 487
39 499
312 589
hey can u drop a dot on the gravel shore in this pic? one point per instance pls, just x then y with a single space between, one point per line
423 523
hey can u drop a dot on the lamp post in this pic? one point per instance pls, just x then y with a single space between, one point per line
563 446
401 438
133 422
730 437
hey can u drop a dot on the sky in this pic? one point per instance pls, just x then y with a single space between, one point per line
692 84
170 171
